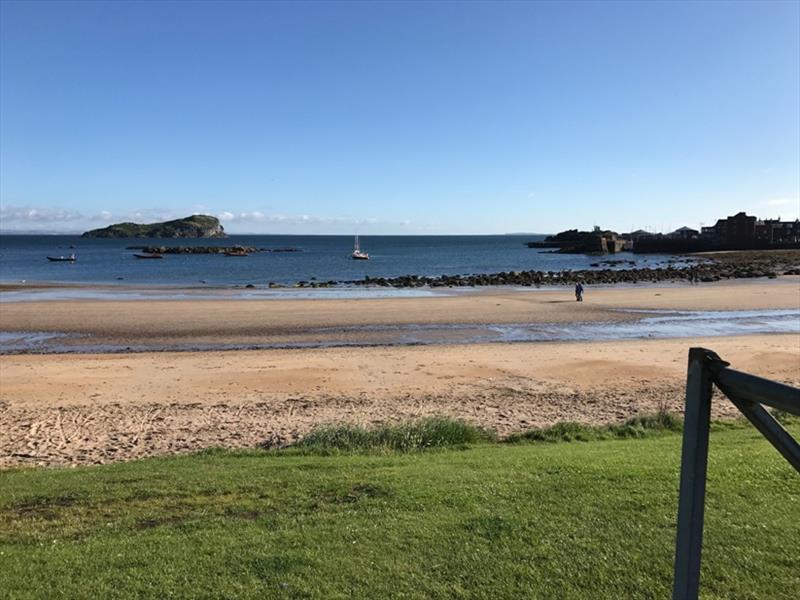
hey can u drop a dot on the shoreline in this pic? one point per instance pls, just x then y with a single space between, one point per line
63 410
653 325
44 291
90 408
467 317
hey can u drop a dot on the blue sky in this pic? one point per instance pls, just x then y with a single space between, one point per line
383 117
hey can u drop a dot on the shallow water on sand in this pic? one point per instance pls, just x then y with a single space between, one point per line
238 293
654 324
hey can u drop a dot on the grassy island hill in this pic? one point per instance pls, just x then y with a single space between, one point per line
196 226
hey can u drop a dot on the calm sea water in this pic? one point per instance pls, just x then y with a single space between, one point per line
24 257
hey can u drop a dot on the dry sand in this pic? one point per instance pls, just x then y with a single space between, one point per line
91 408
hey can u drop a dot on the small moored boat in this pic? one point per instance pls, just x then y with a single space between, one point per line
70 258
236 252
358 254
137 255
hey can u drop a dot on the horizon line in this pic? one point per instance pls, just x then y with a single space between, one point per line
79 233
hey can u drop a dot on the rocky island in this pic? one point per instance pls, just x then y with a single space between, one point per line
196 226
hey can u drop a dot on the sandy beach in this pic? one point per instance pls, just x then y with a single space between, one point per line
67 409
204 322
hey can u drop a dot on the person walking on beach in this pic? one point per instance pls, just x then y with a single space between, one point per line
579 292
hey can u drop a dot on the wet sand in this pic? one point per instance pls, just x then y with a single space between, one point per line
252 322
68 409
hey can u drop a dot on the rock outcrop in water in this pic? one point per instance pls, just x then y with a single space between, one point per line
207 249
194 249
196 226
573 241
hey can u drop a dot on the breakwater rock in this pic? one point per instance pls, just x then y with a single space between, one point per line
207 249
730 265
586 276
193 249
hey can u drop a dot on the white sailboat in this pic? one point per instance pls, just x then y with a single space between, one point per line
357 253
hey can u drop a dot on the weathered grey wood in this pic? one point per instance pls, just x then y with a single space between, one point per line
748 393
759 390
768 426
694 461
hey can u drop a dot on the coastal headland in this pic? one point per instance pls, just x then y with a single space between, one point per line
86 406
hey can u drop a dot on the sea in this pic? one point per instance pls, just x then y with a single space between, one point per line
107 269
23 258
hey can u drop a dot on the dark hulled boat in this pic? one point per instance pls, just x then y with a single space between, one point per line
71 258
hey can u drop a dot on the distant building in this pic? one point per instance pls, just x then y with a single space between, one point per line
684 233
638 234
775 231
712 231
741 230
738 230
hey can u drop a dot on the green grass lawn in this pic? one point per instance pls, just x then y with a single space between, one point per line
546 520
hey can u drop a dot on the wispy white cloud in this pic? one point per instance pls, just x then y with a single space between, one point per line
33 215
103 215
781 202
38 218
242 217
149 215
278 219
140 215
261 222
45 219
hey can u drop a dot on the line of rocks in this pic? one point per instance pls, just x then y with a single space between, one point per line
207 249
693 274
